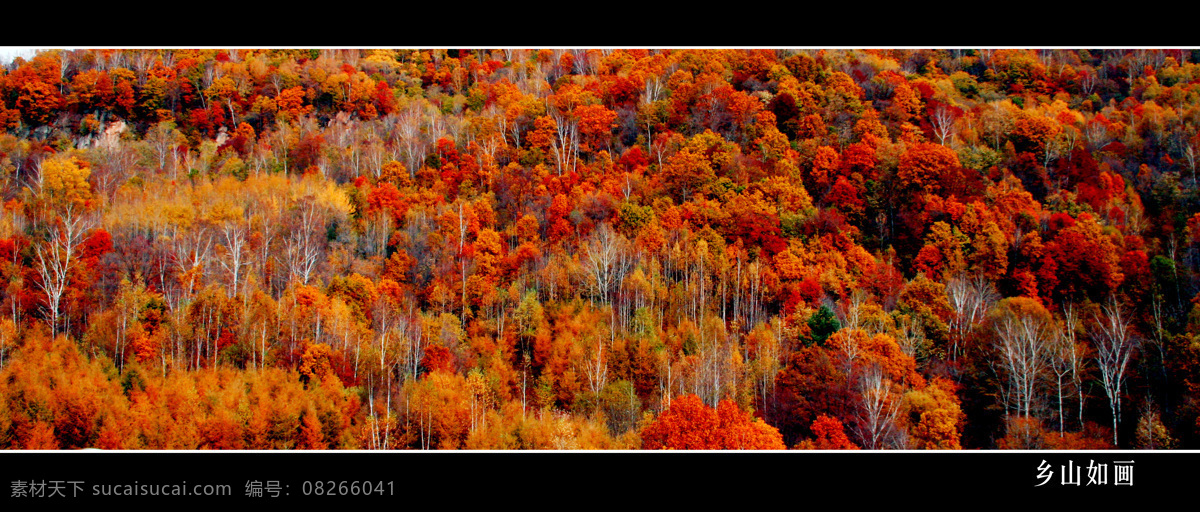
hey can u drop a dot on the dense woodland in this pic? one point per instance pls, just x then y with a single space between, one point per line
600 249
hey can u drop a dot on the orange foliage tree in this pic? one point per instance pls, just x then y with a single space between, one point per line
830 435
689 424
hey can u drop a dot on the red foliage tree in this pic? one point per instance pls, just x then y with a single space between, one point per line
829 435
689 424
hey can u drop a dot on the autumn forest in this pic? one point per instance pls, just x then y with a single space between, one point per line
509 249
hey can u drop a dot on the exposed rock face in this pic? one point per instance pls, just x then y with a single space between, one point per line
111 135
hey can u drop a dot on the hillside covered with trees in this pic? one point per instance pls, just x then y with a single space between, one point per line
600 249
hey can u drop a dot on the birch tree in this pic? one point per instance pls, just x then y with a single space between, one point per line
302 247
880 407
942 119
1063 356
1115 343
970 299
235 251
56 257
1022 342
191 252
606 259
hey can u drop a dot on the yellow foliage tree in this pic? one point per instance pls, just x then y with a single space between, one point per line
935 419
64 182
